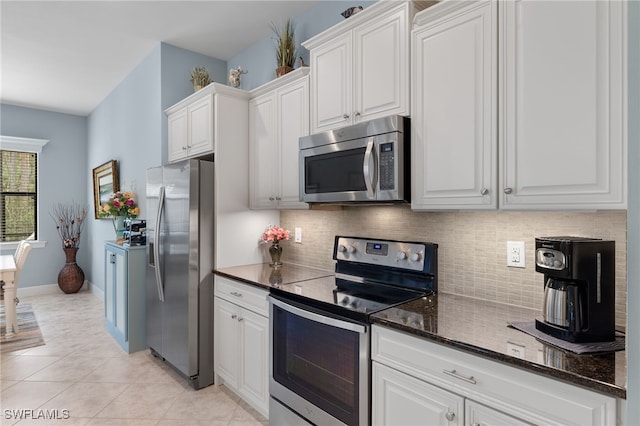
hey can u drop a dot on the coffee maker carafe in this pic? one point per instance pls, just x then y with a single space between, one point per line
579 288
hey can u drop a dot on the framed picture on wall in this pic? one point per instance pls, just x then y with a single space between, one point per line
105 183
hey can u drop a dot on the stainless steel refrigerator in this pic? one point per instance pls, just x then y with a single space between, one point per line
180 243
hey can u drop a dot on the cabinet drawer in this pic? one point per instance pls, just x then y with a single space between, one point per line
244 295
525 395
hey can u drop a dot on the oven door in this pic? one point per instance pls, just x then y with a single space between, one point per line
320 364
366 169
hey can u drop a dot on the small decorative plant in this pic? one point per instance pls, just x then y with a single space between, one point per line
200 78
69 220
274 234
121 204
286 52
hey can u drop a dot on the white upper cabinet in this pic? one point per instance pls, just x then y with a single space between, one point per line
546 129
278 117
192 121
454 141
563 104
360 67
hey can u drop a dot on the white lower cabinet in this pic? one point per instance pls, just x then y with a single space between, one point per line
401 399
241 341
416 381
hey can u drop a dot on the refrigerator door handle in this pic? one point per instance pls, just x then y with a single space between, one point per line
156 246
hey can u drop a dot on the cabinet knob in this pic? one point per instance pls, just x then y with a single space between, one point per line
278 198
357 114
240 319
184 148
345 116
234 316
484 191
508 191
271 199
450 416
476 424
236 294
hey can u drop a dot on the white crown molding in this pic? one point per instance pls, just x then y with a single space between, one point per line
12 143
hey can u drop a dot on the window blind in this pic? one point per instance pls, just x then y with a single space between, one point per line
18 195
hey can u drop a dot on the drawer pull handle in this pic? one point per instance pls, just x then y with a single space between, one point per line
453 373
235 293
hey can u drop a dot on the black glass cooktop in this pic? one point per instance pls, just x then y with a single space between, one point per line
342 297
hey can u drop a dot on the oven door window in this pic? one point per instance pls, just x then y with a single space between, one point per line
339 171
318 362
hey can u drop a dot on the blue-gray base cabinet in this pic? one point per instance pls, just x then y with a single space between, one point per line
124 295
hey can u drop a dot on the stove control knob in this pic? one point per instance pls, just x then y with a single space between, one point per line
345 301
401 255
351 249
415 257
342 248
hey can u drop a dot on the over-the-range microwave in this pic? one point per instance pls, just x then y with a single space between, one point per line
366 162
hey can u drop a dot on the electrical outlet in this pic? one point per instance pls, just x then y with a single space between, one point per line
298 235
515 254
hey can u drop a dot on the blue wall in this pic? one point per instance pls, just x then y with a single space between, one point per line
260 58
130 126
64 176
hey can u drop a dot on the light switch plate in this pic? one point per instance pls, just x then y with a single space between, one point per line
298 235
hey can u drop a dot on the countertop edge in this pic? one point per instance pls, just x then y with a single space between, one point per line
589 384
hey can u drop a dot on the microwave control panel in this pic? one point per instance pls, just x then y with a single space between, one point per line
387 167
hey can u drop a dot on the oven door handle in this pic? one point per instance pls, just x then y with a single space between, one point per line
312 316
369 169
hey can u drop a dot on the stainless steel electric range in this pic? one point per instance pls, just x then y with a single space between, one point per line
320 329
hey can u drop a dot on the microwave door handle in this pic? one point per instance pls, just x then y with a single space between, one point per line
369 169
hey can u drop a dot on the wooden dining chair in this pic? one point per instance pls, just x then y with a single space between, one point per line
20 257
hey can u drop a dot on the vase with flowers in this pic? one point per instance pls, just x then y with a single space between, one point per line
120 206
69 220
273 235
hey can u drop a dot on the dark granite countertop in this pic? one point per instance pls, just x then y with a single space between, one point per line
475 326
262 275
480 327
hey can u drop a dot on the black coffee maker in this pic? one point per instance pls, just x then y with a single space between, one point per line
579 288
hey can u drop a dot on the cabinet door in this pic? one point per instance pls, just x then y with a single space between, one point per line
226 341
177 123
253 382
331 84
263 152
200 126
121 300
562 105
381 72
399 399
478 414
293 122
110 262
454 139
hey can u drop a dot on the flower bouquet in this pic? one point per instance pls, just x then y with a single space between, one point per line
120 206
273 235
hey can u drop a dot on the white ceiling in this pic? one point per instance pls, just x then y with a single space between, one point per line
67 56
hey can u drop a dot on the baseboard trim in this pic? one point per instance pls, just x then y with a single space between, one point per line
41 290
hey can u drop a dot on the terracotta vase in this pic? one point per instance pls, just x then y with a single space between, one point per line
71 277
275 251
280 71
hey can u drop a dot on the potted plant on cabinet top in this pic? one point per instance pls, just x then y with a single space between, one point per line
285 48
199 78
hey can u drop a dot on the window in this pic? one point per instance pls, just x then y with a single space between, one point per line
19 188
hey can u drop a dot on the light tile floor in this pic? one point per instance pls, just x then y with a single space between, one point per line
81 373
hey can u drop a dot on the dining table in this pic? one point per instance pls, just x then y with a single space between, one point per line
7 276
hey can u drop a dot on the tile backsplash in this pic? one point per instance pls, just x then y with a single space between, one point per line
472 245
